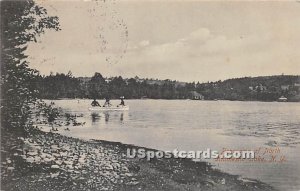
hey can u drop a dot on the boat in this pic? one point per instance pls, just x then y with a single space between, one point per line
110 108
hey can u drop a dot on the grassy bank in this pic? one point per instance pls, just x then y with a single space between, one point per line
49 161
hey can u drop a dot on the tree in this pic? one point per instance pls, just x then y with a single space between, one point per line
21 22
97 86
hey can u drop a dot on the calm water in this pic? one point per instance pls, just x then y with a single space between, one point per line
197 125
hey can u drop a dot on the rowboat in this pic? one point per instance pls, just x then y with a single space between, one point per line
110 108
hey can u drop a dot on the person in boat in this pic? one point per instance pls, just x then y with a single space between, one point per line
95 103
122 101
107 102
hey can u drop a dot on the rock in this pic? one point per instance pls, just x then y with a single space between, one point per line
54 175
82 161
37 159
32 153
246 180
56 155
132 183
109 167
70 166
223 181
47 160
43 155
10 168
66 148
128 174
23 157
54 166
19 150
63 154
54 147
68 162
58 162
30 159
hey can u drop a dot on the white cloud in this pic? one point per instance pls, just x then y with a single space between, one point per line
203 55
144 43
199 35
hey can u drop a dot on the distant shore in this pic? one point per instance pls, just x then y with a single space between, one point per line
262 88
174 99
50 161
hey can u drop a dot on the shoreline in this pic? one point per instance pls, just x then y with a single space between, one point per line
50 161
177 99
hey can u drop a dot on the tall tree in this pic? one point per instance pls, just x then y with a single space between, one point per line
21 22
97 86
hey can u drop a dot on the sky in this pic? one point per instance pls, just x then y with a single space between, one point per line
179 40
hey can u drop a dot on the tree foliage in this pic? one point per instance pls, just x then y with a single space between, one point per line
258 88
21 22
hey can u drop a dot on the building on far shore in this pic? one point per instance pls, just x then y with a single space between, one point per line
285 87
282 99
196 96
297 86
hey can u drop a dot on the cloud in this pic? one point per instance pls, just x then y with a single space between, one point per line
198 44
199 35
144 43
202 54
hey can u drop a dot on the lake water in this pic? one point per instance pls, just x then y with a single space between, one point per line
192 125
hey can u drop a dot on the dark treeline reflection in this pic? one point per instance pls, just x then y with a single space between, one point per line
96 117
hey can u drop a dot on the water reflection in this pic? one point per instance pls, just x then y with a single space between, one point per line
108 117
95 117
122 117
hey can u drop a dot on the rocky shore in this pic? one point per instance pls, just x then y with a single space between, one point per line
50 161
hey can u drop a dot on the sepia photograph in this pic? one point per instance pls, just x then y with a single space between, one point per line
150 95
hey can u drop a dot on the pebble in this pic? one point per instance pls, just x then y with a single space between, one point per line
54 175
10 168
128 174
54 166
223 181
132 183
32 153
30 159
109 167
58 162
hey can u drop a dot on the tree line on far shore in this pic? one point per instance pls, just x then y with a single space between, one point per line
268 88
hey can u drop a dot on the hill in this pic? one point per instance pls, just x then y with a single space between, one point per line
264 88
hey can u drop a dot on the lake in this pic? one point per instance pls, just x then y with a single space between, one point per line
193 125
